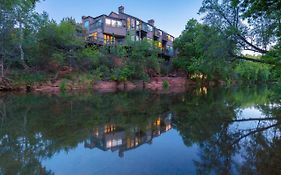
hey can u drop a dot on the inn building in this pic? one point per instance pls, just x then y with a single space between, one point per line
113 29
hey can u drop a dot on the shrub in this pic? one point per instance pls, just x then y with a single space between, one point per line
22 78
122 74
62 85
165 84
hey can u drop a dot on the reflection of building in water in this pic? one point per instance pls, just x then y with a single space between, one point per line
112 137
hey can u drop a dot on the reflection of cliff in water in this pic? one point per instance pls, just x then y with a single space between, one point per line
112 137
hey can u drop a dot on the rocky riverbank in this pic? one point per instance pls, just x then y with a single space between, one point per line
170 84
167 84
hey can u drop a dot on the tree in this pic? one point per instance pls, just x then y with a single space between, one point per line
18 19
226 16
204 50
262 9
59 43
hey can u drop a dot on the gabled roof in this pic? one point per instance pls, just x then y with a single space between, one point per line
113 13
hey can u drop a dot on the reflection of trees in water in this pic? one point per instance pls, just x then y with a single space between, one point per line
212 121
35 127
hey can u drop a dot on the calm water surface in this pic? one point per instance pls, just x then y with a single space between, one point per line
204 131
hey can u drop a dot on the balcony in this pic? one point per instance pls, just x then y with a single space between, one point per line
144 27
158 33
114 27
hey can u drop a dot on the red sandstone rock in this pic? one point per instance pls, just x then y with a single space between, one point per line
105 86
130 86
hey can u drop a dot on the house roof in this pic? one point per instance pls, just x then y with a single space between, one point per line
146 23
108 16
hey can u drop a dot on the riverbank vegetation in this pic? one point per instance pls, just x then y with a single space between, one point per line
217 48
37 49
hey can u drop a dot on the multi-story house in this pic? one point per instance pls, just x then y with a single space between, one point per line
112 29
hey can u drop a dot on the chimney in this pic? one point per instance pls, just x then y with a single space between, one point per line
151 22
121 9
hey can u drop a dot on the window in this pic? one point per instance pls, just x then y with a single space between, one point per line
96 24
108 22
113 23
94 35
138 24
108 39
133 23
158 44
170 38
149 28
128 23
87 24
119 24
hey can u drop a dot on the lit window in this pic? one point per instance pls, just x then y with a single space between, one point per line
170 38
94 35
159 45
128 23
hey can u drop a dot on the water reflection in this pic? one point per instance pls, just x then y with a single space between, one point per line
115 138
235 131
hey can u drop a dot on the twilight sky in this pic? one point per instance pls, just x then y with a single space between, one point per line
169 15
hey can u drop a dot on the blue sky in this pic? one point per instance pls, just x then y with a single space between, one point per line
169 15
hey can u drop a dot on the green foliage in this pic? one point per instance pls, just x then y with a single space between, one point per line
204 50
166 85
63 85
59 43
181 63
122 74
142 58
253 72
89 57
27 78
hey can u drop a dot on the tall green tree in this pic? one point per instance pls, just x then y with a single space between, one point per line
231 17
18 18
204 50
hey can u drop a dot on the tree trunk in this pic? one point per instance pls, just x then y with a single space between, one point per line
20 47
2 67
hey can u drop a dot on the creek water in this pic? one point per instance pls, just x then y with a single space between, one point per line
202 131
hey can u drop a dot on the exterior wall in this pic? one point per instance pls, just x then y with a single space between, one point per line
150 35
115 31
